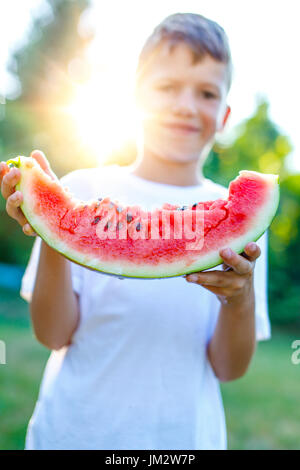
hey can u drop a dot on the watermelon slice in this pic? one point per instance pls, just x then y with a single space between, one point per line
106 236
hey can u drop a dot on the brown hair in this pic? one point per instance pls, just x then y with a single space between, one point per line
201 34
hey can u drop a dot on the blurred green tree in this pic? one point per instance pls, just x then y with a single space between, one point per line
284 255
258 145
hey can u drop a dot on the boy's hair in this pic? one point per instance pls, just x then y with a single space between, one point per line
201 34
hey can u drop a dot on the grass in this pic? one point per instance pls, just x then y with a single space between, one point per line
261 408
20 376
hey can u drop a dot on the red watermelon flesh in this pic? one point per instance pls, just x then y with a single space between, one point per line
129 241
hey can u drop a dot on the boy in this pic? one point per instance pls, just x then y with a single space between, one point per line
137 364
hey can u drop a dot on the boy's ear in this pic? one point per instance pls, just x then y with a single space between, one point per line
226 116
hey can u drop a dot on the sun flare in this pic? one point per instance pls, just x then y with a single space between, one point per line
105 113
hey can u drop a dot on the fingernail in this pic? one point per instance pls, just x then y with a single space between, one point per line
227 253
27 229
252 246
192 278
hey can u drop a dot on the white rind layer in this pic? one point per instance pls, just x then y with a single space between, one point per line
263 219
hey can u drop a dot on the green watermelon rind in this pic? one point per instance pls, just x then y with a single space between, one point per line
175 269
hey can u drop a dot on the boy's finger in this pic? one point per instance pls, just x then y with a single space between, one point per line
212 278
3 170
13 208
252 251
28 230
238 263
9 181
40 157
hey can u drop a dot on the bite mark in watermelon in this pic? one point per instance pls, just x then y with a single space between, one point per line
106 236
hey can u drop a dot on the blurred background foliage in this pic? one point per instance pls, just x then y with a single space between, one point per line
50 64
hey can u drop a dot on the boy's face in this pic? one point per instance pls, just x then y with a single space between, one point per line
183 104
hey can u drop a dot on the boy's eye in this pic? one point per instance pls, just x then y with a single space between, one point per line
166 87
209 95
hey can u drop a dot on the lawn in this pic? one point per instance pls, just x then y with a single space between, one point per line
262 409
20 376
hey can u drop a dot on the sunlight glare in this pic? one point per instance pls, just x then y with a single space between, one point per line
104 112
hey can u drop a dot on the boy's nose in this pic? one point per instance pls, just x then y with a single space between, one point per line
185 103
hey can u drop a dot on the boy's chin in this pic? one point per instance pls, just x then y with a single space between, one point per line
184 159
179 157
174 155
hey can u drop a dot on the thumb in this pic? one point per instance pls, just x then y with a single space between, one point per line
41 159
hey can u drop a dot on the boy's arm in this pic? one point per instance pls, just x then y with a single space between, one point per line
233 343
54 306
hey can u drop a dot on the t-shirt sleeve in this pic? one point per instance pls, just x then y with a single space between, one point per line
28 281
263 327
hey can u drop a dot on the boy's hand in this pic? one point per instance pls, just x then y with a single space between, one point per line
236 278
9 177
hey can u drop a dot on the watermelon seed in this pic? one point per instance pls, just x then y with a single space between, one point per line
119 225
138 227
107 226
129 218
96 220
195 205
99 198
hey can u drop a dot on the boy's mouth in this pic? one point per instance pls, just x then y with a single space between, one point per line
181 127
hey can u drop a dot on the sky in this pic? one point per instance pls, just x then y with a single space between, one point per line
263 34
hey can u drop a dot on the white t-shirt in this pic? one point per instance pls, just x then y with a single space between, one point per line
136 375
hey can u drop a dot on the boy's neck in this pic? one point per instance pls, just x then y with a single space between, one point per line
153 168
